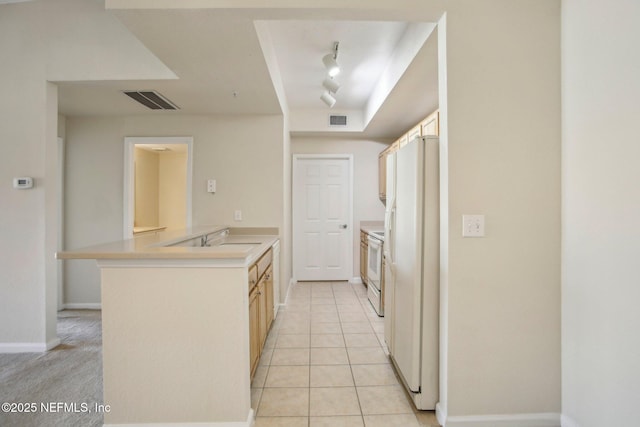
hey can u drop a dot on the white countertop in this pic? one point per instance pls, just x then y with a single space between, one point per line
247 247
370 229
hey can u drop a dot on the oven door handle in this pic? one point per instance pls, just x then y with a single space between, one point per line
373 241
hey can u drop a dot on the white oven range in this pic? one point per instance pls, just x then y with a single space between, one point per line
375 273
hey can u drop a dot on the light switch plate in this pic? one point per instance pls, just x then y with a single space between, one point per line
237 215
472 225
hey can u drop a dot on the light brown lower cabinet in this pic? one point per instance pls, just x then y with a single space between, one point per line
254 337
262 314
261 311
268 288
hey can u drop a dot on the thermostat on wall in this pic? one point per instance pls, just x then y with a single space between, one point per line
22 182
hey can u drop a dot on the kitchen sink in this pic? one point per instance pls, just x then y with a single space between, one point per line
241 247
238 243
187 243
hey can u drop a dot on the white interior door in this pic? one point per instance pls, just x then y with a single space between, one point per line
322 217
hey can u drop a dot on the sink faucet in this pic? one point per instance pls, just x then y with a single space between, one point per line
204 241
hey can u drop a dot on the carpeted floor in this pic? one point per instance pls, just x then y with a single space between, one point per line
63 385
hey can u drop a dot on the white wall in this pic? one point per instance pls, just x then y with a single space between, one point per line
24 137
503 137
366 204
243 153
600 211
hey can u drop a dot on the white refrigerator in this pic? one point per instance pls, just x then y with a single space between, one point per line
411 250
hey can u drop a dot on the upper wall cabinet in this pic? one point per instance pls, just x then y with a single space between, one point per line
431 125
382 176
415 131
428 127
402 141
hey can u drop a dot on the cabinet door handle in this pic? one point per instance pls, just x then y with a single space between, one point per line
343 226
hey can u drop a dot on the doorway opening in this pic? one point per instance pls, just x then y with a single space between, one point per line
157 184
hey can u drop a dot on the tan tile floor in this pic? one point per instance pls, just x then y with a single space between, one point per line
325 364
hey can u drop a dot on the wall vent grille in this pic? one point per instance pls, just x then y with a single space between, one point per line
337 120
151 99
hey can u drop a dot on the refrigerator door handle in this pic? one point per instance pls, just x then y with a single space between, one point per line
392 224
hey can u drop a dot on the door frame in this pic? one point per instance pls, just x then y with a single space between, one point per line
296 159
60 225
129 145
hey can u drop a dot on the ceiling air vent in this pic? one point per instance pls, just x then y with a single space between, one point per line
151 99
337 120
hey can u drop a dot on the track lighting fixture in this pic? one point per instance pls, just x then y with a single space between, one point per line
331 62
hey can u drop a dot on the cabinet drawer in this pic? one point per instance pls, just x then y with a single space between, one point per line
264 262
253 276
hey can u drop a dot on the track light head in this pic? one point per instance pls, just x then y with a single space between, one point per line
331 85
332 65
328 99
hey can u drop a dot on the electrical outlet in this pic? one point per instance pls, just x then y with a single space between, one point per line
472 225
211 186
237 215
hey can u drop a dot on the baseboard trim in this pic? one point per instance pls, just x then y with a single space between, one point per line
29 347
82 306
286 296
249 423
567 421
194 424
505 420
356 280
53 343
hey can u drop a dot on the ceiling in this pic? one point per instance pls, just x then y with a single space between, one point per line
222 67
365 49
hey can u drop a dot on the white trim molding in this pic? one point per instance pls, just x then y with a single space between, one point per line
210 424
356 281
505 420
292 282
82 306
567 421
29 347
249 423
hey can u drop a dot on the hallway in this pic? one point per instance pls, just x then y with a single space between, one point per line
325 364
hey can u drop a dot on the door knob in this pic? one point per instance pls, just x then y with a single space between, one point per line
343 226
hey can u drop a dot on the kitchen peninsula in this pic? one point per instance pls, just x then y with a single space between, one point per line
176 324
